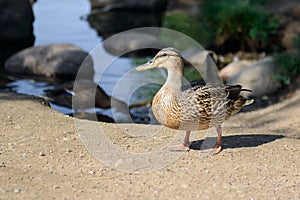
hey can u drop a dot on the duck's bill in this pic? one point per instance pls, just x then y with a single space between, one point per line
146 66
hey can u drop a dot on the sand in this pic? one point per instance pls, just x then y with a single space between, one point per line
46 155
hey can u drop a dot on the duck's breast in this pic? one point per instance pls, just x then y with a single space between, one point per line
166 108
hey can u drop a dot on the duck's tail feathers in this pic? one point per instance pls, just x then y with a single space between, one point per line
249 102
246 90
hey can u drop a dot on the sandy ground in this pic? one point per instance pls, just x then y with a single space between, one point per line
46 155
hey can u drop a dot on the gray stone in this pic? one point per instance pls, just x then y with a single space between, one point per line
233 68
150 5
130 41
202 60
259 77
32 1
55 61
110 17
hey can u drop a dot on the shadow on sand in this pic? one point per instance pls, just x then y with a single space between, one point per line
236 141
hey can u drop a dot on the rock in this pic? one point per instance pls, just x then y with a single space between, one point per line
17 190
258 77
233 68
113 22
32 1
16 27
82 94
199 59
55 61
149 5
133 41
110 17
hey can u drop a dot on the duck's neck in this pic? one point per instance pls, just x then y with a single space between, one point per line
174 80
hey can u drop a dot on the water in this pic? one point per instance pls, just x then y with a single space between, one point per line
61 22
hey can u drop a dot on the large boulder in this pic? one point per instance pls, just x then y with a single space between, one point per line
32 1
16 18
110 17
149 5
233 68
199 58
110 23
55 61
259 77
133 43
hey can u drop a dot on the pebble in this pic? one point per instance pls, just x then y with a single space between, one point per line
42 154
185 185
17 190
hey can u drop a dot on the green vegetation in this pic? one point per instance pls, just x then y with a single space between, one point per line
188 25
243 22
297 43
289 67
289 64
232 24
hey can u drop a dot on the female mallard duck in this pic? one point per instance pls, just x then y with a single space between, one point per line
196 108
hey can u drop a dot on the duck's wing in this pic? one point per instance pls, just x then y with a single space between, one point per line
193 84
211 103
231 92
195 104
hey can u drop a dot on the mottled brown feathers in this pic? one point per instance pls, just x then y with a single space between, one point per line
198 107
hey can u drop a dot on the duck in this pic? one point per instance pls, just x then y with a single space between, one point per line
198 107
88 95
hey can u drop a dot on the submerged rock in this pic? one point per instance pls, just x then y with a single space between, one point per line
259 77
55 61
82 94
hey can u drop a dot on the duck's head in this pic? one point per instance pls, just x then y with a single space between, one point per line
168 58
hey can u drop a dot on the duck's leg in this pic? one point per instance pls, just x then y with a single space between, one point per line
218 146
186 144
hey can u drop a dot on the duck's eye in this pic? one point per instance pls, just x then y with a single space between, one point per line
164 54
